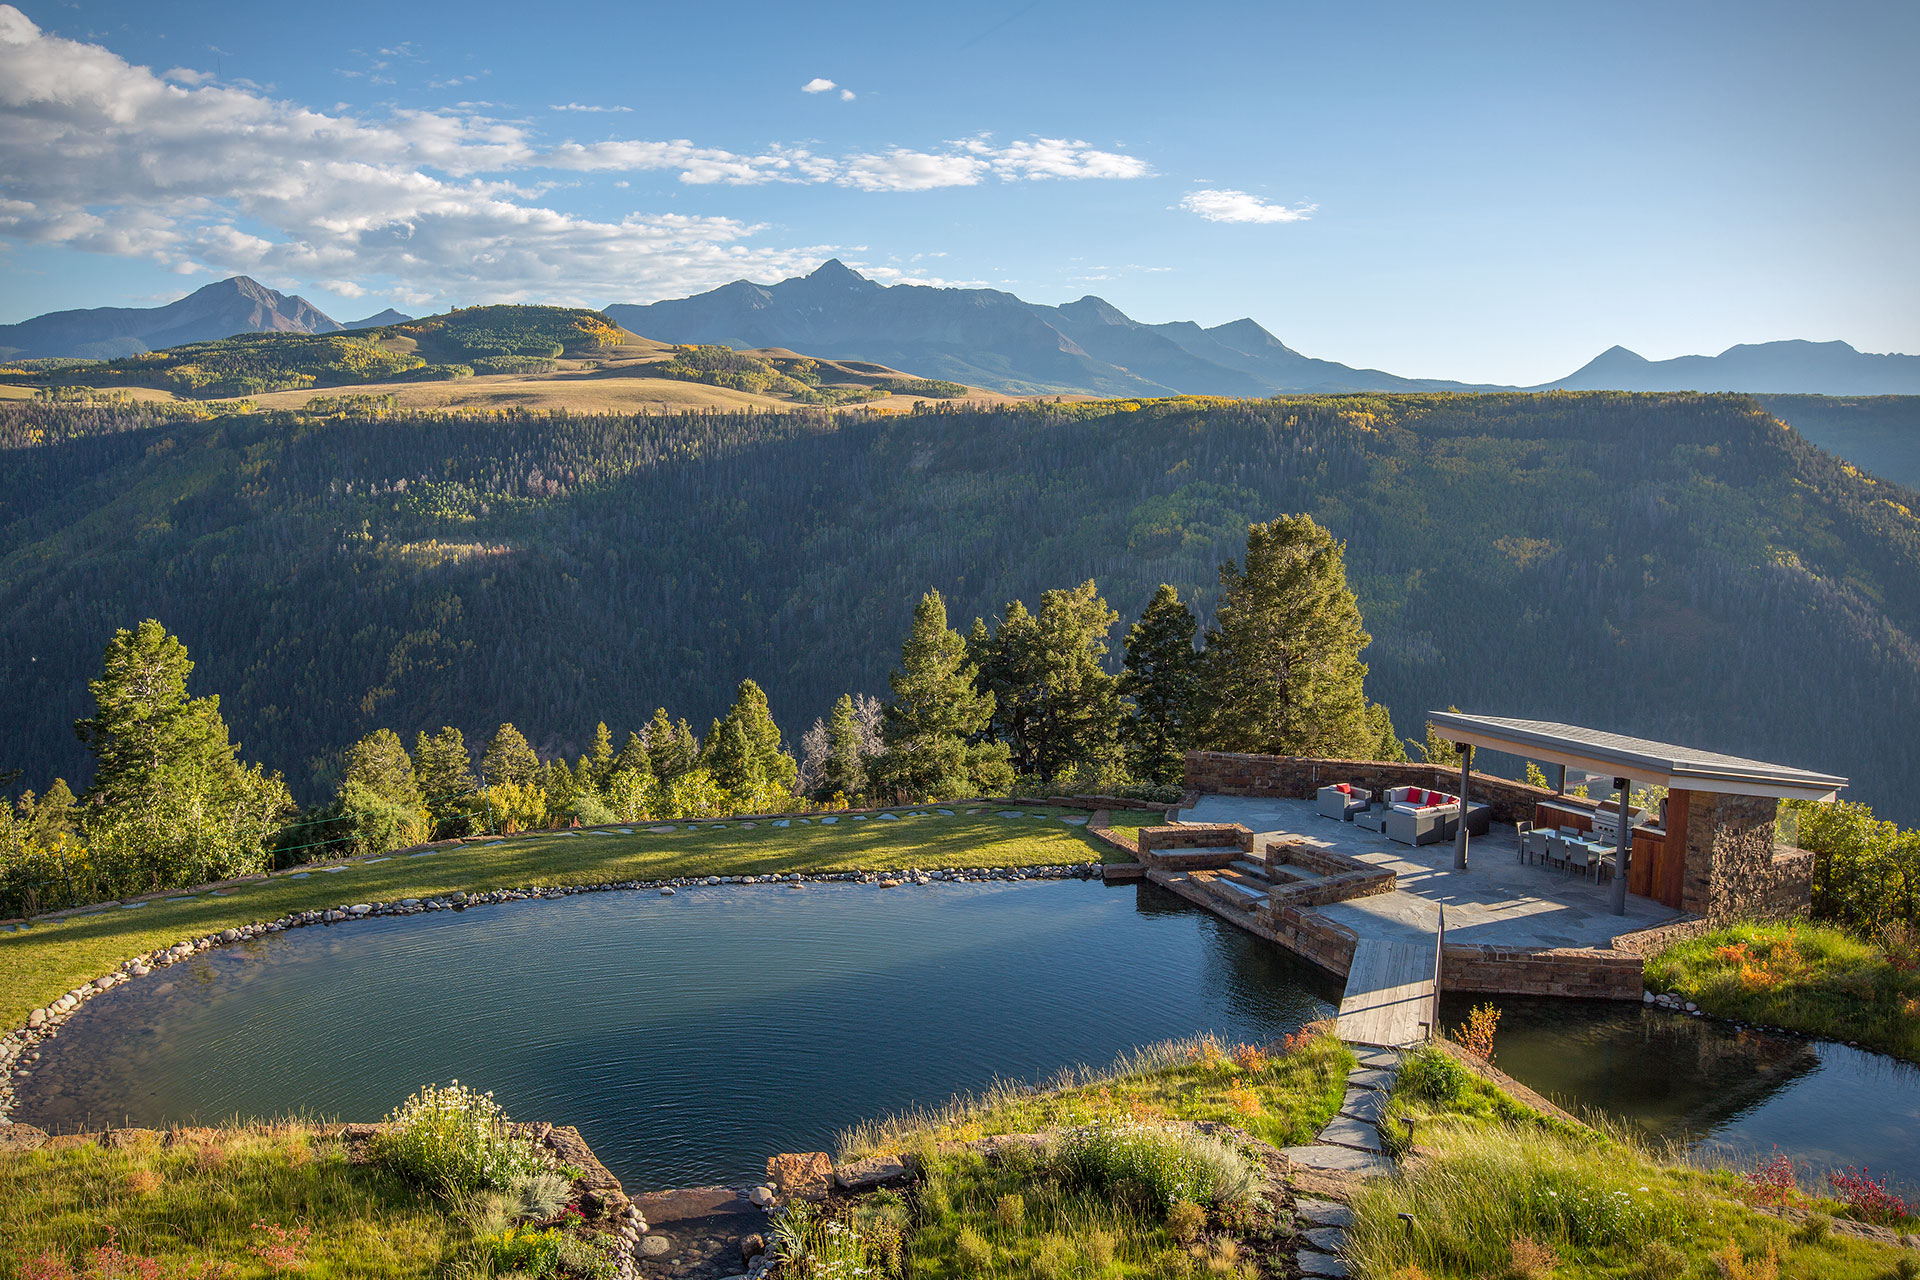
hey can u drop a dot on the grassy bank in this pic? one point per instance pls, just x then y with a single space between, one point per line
197 1202
1805 977
41 962
1496 1190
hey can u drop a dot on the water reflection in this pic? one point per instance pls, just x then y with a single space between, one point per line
1729 1093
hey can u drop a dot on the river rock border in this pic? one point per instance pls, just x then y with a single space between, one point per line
20 1047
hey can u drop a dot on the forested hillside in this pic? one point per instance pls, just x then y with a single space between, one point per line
1674 565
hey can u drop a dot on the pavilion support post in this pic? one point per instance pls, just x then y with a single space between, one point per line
1622 845
1460 825
1560 779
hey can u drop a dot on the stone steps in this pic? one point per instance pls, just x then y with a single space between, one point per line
1228 892
1250 870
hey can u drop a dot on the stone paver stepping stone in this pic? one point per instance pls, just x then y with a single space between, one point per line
1325 1213
134 906
385 858
1385 1059
1327 1239
1364 1104
782 822
302 875
948 813
1349 1132
830 820
1012 813
668 830
1339 1159
1320 1264
428 853
806 821
1372 1078
492 843
748 826
1081 822
334 871
189 897
861 817
627 831
887 817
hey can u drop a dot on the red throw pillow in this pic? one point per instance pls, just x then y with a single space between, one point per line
1344 788
1416 797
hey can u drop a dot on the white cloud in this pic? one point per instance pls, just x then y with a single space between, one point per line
846 95
818 85
104 156
581 106
186 75
1227 205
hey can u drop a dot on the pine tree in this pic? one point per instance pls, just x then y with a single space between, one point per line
845 770
633 758
1282 664
1162 677
379 763
743 751
443 770
671 748
171 803
1386 739
1055 704
936 710
600 759
508 758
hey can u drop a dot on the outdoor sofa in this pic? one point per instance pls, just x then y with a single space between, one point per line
1342 800
1417 816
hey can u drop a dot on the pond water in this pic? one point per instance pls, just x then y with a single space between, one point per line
690 1037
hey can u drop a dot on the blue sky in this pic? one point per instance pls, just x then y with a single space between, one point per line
1489 193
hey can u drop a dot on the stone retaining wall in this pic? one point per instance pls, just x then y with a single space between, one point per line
1234 841
1307 933
1574 973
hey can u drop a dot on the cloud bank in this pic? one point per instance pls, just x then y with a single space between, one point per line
99 155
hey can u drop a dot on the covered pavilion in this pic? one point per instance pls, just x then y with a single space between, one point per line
1713 852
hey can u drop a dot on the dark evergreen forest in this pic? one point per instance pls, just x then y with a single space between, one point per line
1676 565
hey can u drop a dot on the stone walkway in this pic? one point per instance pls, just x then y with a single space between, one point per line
1349 1144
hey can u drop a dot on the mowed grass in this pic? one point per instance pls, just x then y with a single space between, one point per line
196 1201
1805 977
40 963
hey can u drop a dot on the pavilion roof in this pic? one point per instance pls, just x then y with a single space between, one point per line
1642 759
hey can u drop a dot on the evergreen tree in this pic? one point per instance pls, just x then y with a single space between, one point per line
1162 677
1436 748
743 751
634 758
509 758
1386 739
443 770
671 747
935 714
1282 663
599 761
1055 704
379 763
845 770
171 803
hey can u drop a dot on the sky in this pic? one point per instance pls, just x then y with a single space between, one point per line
1483 192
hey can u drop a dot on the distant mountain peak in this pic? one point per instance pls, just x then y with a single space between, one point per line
834 272
1792 366
238 304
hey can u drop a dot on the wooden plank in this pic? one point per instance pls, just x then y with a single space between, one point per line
1389 995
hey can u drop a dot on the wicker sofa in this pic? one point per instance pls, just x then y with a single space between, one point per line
1417 816
1342 800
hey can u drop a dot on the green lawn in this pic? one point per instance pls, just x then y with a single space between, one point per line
40 963
197 1202
1804 977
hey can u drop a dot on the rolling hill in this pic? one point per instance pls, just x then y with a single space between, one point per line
220 310
1673 565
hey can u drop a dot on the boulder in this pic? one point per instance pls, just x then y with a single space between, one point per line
655 1246
874 1171
761 1196
752 1246
804 1175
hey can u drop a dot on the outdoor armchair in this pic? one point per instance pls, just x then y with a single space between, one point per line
1341 801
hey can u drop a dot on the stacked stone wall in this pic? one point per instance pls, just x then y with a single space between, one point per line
1580 973
1734 869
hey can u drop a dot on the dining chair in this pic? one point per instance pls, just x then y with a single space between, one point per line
1578 859
1522 830
1557 851
1537 846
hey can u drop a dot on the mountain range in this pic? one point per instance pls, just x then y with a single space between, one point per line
986 338
220 310
993 339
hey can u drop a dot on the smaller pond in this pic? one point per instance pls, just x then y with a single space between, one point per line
1731 1094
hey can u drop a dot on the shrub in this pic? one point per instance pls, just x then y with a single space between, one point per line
1771 1180
1185 1221
1475 1035
1166 1165
456 1140
972 1249
1869 1199
1010 1211
534 1253
1661 1260
1432 1076
1531 1260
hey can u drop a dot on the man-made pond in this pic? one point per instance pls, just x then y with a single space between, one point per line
690 1037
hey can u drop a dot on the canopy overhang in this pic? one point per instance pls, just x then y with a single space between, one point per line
1644 761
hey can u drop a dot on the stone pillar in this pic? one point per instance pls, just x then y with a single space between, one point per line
1622 845
1730 867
